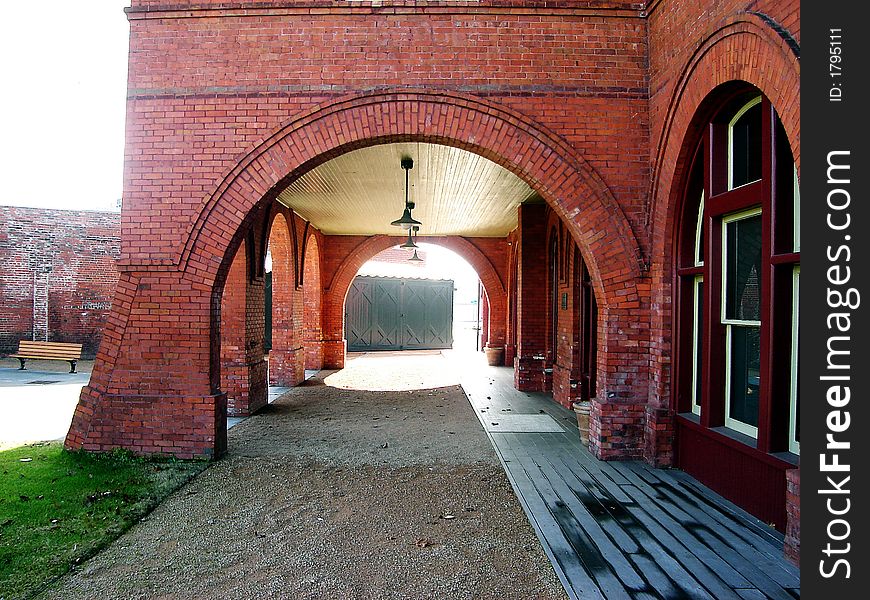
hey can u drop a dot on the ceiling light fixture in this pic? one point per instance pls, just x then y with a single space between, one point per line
414 258
410 243
406 221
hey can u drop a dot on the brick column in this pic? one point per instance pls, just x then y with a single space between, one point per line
151 390
530 362
333 344
792 546
243 366
484 319
312 300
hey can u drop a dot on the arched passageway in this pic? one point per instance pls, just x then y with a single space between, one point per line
241 207
212 145
476 252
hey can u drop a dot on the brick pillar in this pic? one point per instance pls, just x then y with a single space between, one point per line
287 355
484 319
333 343
151 389
530 362
312 293
243 366
616 430
792 545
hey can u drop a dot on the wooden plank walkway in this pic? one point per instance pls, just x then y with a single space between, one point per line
623 529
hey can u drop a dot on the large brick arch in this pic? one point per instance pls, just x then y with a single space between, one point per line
722 58
336 289
156 388
546 162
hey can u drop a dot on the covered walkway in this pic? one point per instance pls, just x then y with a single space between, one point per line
622 529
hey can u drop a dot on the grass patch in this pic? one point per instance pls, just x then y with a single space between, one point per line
57 508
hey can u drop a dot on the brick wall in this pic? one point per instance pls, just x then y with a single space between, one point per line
204 90
58 275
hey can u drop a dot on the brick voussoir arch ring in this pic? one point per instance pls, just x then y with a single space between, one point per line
344 275
776 74
546 162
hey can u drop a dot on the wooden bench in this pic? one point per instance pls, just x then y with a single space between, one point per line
48 351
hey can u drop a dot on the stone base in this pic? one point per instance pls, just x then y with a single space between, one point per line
616 431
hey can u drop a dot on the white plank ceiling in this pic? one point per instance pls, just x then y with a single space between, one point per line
456 192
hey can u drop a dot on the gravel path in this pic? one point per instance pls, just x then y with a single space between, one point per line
334 492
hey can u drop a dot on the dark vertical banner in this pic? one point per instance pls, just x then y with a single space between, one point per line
834 302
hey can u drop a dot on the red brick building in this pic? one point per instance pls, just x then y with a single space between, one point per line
653 269
58 275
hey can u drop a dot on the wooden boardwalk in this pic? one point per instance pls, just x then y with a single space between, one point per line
623 529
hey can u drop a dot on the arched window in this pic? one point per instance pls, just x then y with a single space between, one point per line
737 275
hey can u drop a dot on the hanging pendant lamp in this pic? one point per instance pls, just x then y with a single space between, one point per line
414 258
406 221
410 243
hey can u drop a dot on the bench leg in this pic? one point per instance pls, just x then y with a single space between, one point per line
72 366
21 360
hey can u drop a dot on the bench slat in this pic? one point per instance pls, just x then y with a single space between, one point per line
56 355
50 350
28 344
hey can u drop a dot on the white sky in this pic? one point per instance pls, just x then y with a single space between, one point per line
64 80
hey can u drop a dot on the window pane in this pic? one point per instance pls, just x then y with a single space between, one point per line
743 269
794 441
698 342
699 234
745 359
746 147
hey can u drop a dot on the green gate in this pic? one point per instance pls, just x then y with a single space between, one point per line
386 313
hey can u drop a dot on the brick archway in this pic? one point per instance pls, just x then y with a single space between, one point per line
546 162
776 72
153 394
335 291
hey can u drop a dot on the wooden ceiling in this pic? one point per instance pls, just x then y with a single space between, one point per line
456 192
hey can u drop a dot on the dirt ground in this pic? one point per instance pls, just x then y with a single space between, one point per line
334 492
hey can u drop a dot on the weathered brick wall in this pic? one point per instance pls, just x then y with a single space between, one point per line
58 275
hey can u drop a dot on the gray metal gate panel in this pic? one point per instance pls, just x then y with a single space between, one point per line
395 314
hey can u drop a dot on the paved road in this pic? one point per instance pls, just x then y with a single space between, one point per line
36 404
